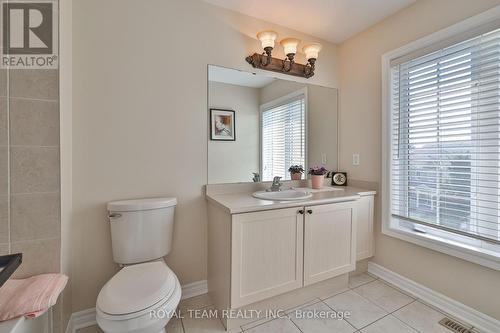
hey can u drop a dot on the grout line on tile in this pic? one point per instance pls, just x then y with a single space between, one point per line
315 300
256 325
347 321
9 236
33 146
34 99
301 306
28 193
36 240
416 299
404 322
333 295
220 319
182 324
295 325
413 298
336 310
389 314
370 323
352 288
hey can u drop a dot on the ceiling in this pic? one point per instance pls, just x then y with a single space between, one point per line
236 77
331 20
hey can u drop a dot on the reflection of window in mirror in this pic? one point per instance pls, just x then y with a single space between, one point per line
283 135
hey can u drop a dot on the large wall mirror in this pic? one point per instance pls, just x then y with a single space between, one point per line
262 125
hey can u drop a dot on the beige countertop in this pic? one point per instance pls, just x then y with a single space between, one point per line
244 202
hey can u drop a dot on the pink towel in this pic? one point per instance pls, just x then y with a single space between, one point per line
30 297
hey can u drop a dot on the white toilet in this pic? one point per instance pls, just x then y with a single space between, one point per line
144 294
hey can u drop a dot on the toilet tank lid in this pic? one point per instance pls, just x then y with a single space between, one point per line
141 204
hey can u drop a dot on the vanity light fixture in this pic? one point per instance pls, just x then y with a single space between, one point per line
311 51
267 39
289 48
287 65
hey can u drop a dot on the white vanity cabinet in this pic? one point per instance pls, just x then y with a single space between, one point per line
329 241
271 255
364 238
266 254
275 251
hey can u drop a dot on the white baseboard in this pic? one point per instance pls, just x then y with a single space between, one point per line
454 308
194 289
81 319
86 318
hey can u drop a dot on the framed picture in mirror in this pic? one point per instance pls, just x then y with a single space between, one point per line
222 125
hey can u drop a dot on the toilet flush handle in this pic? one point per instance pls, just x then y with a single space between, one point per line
114 215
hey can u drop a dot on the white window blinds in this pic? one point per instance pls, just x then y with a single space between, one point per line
445 141
283 140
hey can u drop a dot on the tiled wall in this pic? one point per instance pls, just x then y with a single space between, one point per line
29 169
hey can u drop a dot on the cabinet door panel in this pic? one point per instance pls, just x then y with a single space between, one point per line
365 228
329 241
267 255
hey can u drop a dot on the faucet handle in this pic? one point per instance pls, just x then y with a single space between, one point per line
276 179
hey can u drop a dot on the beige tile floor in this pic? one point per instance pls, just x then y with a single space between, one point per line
374 306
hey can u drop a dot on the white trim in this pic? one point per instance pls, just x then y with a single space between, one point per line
81 319
465 252
452 307
194 289
86 318
471 255
283 99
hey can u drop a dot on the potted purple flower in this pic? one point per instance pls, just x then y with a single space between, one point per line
296 172
317 173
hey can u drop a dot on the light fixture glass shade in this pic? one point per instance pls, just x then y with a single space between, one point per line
267 38
312 50
290 45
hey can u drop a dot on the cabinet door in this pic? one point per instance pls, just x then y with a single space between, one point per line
329 241
365 228
267 254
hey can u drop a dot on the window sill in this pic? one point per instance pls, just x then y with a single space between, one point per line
477 255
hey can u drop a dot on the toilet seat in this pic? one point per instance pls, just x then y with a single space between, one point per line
136 290
142 321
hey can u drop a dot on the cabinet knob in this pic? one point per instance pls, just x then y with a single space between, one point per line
309 211
301 212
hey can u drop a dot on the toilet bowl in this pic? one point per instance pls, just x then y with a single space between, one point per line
143 296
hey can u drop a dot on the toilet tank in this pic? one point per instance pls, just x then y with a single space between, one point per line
141 229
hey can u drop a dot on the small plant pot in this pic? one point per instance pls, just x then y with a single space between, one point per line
317 181
296 176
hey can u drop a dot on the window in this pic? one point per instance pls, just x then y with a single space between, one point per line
443 154
283 135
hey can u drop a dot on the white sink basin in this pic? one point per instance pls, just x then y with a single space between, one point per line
286 195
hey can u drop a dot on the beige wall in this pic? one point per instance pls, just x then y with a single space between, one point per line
140 122
360 128
322 112
234 161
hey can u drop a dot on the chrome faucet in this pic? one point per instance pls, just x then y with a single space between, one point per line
276 185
